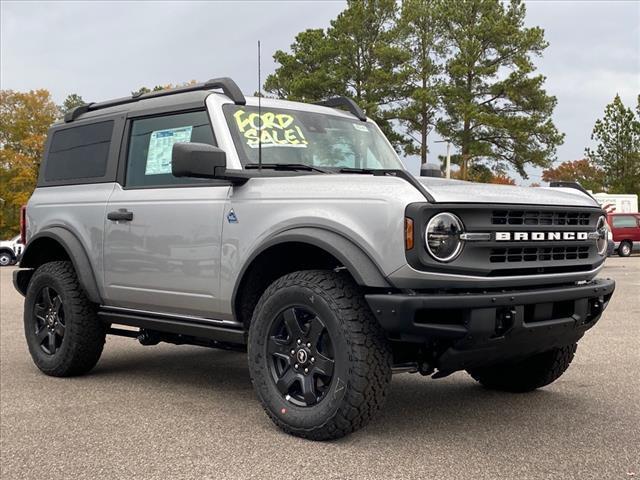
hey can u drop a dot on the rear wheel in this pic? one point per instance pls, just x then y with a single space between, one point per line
63 332
527 374
624 250
318 359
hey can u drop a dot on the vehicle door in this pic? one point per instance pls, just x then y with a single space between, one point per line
162 233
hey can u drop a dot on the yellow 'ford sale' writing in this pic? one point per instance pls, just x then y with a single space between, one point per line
277 129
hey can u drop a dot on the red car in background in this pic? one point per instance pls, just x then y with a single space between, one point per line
625 228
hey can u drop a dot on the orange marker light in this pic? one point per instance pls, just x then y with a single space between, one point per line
408 233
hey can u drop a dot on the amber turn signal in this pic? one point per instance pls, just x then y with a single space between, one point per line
408 233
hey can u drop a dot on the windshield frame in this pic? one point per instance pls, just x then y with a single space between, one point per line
389 154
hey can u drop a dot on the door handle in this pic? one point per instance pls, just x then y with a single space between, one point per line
120 214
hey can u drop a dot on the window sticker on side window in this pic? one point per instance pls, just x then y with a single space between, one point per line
160 146
361 127
277 130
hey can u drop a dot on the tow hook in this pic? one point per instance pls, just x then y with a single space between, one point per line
504 321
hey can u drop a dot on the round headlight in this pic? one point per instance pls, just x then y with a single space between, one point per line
603 235
443 236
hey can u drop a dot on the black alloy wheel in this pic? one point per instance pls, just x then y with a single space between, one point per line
49 322
300 356
319 361
64 334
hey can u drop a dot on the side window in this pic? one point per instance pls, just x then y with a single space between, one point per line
79 152
150 144
626 221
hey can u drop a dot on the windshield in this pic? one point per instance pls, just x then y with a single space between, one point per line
314 139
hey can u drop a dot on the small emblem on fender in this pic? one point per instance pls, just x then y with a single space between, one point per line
232 217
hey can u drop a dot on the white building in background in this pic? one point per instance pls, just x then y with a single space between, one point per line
618 203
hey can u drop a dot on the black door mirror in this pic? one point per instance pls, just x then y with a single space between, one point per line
198 160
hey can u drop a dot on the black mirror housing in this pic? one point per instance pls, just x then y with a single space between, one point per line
198 160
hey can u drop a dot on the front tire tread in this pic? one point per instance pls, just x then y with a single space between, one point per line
371 356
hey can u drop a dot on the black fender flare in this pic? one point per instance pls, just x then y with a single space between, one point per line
75 251
361 267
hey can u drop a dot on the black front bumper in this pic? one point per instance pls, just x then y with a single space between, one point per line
475 329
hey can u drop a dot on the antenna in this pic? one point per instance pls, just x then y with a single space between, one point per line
259 113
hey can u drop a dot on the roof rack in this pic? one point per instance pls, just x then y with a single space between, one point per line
344 102
228 86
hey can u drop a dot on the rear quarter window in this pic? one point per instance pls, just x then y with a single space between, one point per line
625 221
79 152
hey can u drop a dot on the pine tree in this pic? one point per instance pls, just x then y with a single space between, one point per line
72 101
357 56
420 31
618 147
308 73
495 106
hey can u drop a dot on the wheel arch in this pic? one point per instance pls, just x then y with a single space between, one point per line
8 250
58 243
300 249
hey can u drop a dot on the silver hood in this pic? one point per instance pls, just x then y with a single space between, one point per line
457 191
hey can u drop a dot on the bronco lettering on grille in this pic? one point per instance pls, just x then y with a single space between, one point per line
540 236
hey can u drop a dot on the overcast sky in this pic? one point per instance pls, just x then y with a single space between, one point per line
102 50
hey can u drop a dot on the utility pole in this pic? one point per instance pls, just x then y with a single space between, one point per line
448 164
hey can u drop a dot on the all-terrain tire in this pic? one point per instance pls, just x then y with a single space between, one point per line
80 347
528 374
625 248
362 355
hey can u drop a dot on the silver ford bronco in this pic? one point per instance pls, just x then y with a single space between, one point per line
293 231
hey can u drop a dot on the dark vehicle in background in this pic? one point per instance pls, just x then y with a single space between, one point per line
626 232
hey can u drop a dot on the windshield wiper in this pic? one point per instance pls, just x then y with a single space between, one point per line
357 170
287 166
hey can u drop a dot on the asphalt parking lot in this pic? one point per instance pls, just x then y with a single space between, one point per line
181 412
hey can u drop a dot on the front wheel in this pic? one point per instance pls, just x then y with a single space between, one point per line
318 359
527 374
624 250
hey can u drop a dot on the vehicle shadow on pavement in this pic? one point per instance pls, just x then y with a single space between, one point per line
190 367
416 405
459 405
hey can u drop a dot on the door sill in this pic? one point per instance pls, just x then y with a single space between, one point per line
219 330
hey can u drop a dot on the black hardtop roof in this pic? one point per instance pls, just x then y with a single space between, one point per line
161 98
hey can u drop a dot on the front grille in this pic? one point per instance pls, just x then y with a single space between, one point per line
514 254
537 254
534 217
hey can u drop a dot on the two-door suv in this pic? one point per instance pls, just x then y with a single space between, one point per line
294 231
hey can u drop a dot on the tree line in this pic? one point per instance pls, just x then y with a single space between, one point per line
463 69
